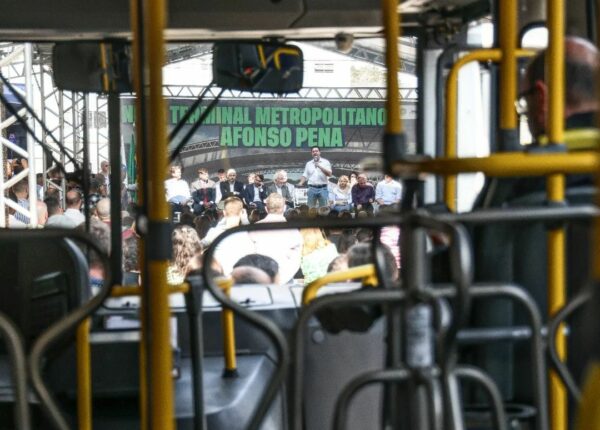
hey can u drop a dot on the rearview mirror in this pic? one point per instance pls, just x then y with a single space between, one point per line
261 67
92 67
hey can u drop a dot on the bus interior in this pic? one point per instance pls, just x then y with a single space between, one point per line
487 321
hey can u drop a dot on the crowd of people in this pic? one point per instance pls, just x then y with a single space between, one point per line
205 208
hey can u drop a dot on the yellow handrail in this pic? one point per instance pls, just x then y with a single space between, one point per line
450 145
227 323
391 21
555 67
508 66
84 376
366 272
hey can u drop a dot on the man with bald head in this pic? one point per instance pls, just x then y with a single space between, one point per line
581 105
581 100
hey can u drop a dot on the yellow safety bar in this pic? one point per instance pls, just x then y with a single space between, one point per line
84 376
508 164
508 65
366 272
450 144
555 66
581 139
136 45
136 290
391 23
227 324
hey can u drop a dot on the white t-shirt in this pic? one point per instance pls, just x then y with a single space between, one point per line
314 175
177 187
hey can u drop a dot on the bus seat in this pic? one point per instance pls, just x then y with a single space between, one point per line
518 254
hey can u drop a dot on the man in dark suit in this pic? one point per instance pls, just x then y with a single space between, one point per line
255 194
231 187
280 186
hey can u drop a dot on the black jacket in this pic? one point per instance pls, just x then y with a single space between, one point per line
249 194
238 189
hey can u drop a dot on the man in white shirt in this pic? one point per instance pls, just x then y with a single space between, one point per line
316 173
177 189
283 246
388 191
73 201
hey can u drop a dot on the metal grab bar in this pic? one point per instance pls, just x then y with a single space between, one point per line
450 120
366 272
227 324
553 326
506 164
136 290
18 370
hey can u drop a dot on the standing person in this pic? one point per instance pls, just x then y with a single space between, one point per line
221 177
341 195
73 203
363 194
255 194
177 189
21 196
316 173
203 192
231 187
281 186
388 191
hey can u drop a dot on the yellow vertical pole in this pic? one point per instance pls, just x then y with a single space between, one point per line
227 323
391 24
137 67
508 64
159 357
555 68
84 376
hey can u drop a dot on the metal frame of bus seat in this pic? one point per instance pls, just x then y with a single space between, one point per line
513 292
63 327
415 295
18 370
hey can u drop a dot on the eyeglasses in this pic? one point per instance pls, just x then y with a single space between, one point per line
521 105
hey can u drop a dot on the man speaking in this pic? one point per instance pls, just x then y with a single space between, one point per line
316 173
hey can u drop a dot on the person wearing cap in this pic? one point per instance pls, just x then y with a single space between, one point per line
316 173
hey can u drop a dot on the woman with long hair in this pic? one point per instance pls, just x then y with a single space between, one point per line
186 245
317 253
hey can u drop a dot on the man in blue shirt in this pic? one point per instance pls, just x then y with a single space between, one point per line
388 191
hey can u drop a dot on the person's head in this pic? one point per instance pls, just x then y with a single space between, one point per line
221 175
100 232
231 175
21 189
104 167
103 209
275 204
251 178
581 66
203 223
280 177
262 262
387 178
186 245
53 206
203 174
175 171
259 179
39 179
312 239
362 253
338 264
42 212
343 182
232 207
353 176
315 152
362 180
73 199
249 275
